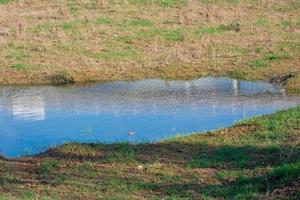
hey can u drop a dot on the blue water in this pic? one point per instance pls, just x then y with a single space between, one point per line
35 118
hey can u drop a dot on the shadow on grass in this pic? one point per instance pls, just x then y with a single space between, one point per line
282 162
190 155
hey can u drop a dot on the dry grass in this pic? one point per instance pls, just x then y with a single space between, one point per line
99 40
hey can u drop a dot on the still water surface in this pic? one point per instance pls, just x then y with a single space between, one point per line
35 118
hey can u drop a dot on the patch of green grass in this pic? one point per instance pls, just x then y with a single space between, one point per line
283 175
162 3
28 195
272 56
172 35
226 155
74 24
5 1
219 29
74 9
124 54
286 23
104 21
126 39
170 3
93 4
18 55
298 22
6 179
223 175
273 130
218 1
19 66
256 187
260 63
121 152
129 185
48 166
140 22
45 27
86 170
262 22
287 6
6 197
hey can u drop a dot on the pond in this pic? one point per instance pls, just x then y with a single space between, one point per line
35 118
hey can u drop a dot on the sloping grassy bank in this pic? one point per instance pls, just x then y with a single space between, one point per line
255 159
58 42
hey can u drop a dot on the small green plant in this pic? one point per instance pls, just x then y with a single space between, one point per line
162 3
286 23
298 22
45 27
48 166
126 39
103 21
6 179
74 24
262 22
73 8
19 66
222 156
219 29
28 195
172 35
260 63
18 55
5 1
271 56
121 152
140 22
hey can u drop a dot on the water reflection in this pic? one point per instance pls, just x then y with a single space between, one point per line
34 117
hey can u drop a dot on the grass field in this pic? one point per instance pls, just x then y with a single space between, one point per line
54 42
255 159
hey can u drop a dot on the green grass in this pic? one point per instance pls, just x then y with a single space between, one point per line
49 166
287 6
45 27
19 66
127 53
162 3
104 21
219 29
286 23
252 187
7 179
269 57
298 22
5 1
72 25
262 22
221 157
218 1
140 22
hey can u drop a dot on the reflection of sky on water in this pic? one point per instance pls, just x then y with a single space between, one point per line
32 118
